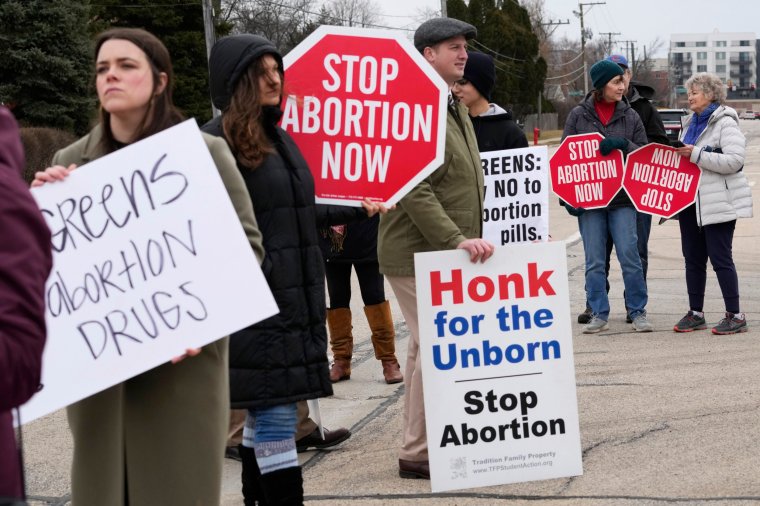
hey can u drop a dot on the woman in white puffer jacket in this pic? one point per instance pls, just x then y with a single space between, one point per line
712 139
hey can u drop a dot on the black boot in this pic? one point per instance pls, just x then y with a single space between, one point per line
253 495
283 487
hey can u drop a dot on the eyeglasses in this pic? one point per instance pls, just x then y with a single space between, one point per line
461 82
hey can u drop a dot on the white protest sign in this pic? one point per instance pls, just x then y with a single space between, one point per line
149 259
497 366
516 205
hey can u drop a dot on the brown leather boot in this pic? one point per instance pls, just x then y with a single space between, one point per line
341 342
384 340
392 372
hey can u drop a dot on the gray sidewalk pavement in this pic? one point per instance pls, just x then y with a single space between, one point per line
664 417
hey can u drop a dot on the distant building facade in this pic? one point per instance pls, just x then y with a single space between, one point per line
732 56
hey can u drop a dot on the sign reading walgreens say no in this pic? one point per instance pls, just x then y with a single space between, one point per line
367 111
581 176
660 181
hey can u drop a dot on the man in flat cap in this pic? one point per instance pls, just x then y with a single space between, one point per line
444 211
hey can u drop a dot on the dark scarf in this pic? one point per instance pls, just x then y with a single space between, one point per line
699 123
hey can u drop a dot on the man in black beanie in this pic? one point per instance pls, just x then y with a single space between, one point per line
494 127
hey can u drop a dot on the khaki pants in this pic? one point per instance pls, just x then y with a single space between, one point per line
237 420
414 444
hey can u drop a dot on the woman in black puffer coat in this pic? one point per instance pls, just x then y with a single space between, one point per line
283 359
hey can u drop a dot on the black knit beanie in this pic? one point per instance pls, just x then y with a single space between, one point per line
480 71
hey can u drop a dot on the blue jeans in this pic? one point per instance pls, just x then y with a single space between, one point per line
271 423
620 224
643 229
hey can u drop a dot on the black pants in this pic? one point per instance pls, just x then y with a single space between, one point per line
339 283
713 242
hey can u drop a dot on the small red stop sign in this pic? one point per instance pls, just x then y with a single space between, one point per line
367 112
660 181
581 176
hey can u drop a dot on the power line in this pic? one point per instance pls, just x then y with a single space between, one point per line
568 74
579 55
371 25
496 53
145 6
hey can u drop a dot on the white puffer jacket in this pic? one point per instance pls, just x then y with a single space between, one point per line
724 192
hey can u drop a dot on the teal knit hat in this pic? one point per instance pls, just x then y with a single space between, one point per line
603 72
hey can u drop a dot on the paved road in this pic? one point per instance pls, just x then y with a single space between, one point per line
665 417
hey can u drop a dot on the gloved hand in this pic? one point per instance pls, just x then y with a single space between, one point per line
610 143
573 211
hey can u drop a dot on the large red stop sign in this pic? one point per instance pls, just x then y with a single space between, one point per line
581 176
660 181
367 112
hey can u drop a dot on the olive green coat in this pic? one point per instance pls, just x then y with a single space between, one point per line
159 437
440 212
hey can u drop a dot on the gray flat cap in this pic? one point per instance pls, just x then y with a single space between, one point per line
435 30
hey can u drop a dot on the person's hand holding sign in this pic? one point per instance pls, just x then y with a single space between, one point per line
479 249
372 208
190 352
610 143
52 174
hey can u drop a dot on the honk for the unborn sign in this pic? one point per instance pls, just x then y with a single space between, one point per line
497 361
149 259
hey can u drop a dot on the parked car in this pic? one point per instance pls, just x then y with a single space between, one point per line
671 119
748 114
757 114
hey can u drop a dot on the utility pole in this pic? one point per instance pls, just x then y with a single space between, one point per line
580 14
554 23
609 40
443 9
548 32
630 54
208 28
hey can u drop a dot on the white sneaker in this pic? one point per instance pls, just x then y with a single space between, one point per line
595 325
641 324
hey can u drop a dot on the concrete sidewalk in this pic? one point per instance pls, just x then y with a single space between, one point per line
665 417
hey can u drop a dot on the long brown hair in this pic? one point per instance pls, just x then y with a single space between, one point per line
161 113
241 122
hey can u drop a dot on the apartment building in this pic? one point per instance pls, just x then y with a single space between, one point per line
730 55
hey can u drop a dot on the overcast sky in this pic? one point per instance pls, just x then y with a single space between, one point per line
639 20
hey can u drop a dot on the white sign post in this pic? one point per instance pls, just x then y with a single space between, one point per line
497 366
149 259
516 205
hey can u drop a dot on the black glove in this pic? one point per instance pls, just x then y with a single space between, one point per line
610 143
573 211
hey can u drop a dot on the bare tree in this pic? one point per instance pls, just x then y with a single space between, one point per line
284 22
361 13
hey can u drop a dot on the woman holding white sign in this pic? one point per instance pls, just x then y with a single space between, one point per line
712 139
606 111
157 438
283 359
